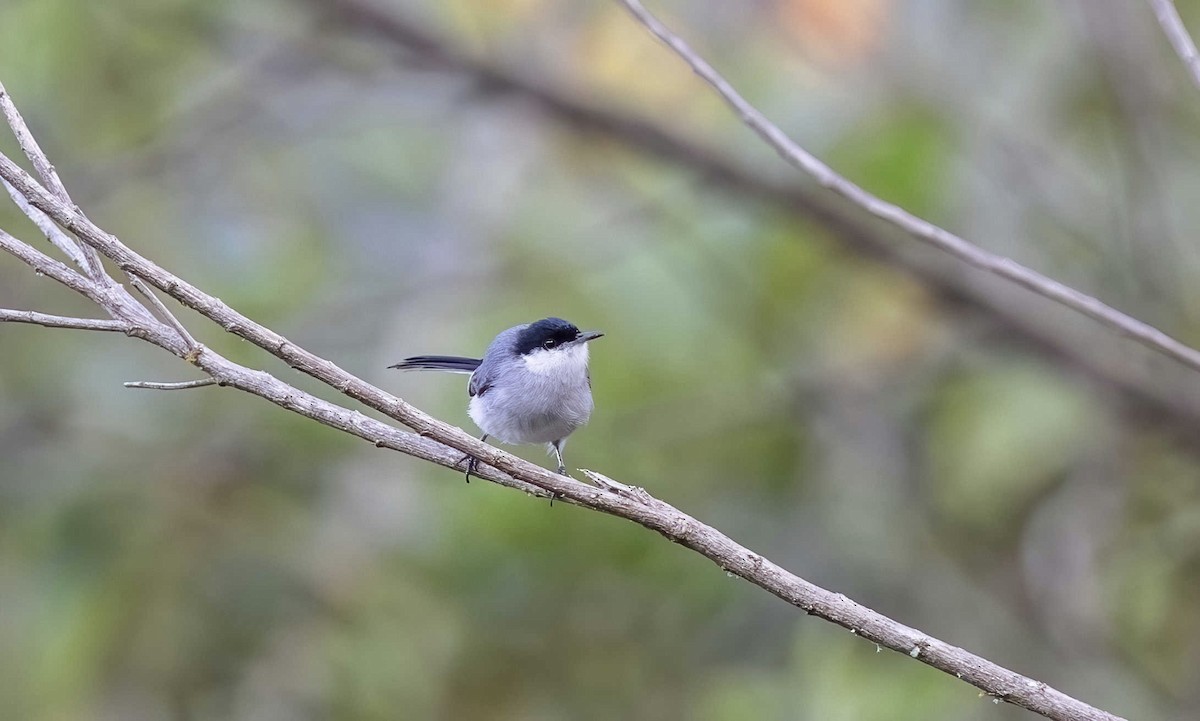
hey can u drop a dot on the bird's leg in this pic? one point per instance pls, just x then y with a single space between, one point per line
472 461
556 446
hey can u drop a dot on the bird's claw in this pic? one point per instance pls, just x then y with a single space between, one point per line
472 464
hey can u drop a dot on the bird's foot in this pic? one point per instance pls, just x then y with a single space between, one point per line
472 464
562 471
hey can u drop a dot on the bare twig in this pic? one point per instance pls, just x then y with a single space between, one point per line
45 265
919 228
59 321
506 469
82 255
181 386
68 245
163 312
1177 34
30 147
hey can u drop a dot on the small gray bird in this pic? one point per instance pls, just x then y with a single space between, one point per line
532 385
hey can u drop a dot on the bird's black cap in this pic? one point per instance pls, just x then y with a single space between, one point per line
545 333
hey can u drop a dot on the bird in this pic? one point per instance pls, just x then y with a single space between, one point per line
531 386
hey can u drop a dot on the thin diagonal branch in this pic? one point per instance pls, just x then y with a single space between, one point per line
1177 34
29 146
1139 396
999 682
85 257
45 265
915 226
59 321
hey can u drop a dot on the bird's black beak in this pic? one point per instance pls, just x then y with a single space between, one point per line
588 335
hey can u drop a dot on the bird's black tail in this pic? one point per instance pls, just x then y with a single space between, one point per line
451 363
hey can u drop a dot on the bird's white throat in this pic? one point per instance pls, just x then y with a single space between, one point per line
568 362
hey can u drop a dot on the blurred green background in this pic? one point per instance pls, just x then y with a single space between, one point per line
204 555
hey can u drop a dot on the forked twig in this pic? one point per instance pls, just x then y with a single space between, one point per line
53 233
164 312
87 258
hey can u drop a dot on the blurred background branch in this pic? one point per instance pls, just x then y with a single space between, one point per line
1140 394
915 226
1177 34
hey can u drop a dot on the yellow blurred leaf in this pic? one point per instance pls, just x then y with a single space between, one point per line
882 320
482 20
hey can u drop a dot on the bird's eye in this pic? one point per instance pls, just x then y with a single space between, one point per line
548 344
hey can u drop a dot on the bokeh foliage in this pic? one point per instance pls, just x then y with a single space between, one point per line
204 555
